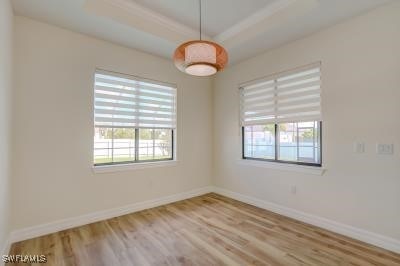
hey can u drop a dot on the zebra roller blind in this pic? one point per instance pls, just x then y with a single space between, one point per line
292 96
127 101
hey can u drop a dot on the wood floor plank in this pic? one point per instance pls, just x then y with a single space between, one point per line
206 230
324 238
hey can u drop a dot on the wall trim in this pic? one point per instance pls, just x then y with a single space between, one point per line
56 226
143 18
246 23
340 228
6 247
283 166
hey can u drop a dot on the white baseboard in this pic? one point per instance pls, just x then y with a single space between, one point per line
6 247
356 233
343 229
56 226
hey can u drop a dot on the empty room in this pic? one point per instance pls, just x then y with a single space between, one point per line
199 132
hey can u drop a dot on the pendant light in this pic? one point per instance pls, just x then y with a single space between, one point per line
199 57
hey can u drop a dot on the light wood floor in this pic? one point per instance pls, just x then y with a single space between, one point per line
206 230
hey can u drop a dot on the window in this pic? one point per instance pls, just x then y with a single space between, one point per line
134 119
281 117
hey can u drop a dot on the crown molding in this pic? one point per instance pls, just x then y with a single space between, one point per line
253 19
282 14
134 15
158 18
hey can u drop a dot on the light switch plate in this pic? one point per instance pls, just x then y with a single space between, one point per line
386 149
359 147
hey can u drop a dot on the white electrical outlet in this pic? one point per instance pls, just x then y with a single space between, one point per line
386 149
359 147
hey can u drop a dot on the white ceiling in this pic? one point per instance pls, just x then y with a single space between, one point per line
244 28
217 15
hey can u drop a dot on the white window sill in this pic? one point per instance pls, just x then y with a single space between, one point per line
132 166
284 166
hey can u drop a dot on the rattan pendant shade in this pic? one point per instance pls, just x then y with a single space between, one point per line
199 57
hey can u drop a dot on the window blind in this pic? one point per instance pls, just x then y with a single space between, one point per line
127 101
291 96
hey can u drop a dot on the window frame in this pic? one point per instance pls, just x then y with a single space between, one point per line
137 164
137 139
276 160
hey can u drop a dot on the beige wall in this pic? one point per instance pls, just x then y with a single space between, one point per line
53 127
53 179
6 37
361 101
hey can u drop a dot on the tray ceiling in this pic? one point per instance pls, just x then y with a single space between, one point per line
244 28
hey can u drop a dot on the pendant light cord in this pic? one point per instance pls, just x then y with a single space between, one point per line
200 17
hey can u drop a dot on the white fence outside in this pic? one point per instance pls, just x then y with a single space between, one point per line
104 148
